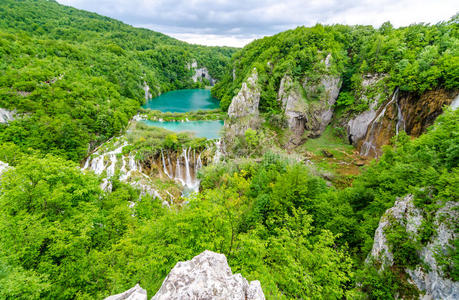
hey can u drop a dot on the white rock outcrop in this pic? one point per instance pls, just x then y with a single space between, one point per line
403 212
200 73
246 102
243 111
357 127
135 293
431 281
7 115
207 276
314 112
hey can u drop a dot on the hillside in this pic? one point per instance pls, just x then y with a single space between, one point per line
77 77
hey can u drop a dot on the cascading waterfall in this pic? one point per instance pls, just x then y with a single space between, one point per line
164 165
218 152
368 144
400 120
178 172
187 166
108 161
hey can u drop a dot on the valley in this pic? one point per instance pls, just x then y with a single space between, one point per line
317 163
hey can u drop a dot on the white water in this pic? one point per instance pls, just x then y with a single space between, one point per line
368 145
218 151
455 103
7 115
166 171
107 162
187 166
400 120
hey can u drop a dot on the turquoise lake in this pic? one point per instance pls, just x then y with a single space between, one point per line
183 101
206 129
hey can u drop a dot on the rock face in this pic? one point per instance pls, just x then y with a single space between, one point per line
207 276
135 293
308 105
403 112
200 73
243 110
358 125
246 102
431 281
7 115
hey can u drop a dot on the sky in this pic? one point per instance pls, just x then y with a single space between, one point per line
238 22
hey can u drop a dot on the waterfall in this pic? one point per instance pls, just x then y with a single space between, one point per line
188 163
164 165
368 144
170 164
187 168
178 171
455 103
198 165
400 120
218 153
123 171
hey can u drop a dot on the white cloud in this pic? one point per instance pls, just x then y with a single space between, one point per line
235 23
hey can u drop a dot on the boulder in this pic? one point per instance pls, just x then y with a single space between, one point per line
135 293
207 276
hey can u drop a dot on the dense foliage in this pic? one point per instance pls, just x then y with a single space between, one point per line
78 77
416 58
274 220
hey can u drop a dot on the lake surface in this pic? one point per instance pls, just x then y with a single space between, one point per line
206 129
183 101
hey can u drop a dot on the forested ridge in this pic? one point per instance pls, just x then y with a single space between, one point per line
76 79
416 58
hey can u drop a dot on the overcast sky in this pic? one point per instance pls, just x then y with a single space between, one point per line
237 22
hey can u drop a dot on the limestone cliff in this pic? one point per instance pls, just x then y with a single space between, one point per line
243 110
308 104
357 126
428 276
200 73
403 111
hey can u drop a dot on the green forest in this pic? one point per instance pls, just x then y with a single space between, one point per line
77 78
417 58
